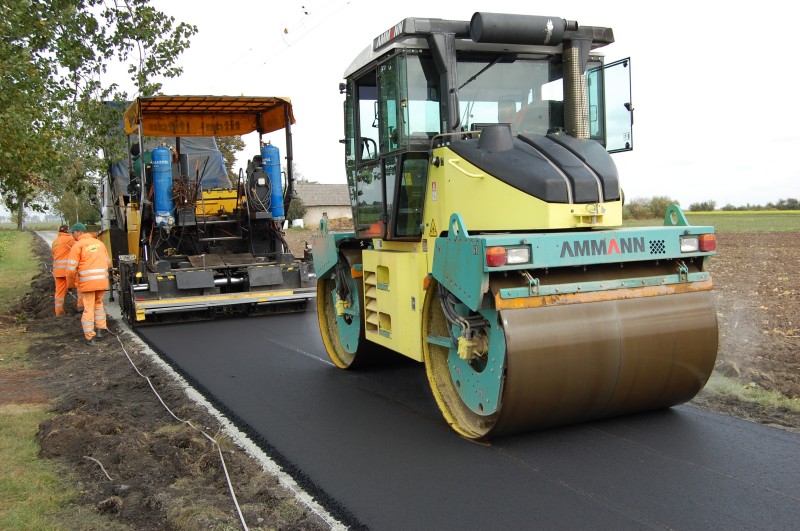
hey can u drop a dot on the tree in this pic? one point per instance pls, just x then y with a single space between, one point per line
788 204
229 146
644 208
703 206
659 204
76 207
54 116
297 209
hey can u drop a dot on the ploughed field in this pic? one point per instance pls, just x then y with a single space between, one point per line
757 293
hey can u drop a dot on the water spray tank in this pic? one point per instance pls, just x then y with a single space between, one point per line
271 162
162 184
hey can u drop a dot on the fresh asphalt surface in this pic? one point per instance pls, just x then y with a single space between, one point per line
372 447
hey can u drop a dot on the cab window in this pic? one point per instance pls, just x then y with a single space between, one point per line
411 196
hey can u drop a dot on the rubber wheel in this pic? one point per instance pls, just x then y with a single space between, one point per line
343 336
463 419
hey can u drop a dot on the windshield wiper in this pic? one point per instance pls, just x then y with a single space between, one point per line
482 70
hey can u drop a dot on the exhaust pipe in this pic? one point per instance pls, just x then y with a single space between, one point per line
498 28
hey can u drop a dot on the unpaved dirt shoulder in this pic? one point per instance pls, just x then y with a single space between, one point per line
757 295
108 423
757 289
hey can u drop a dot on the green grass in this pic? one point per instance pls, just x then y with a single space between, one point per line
35 225
747 392
17 266
756 221
31 491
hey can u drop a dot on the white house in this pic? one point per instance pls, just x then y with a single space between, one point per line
332 200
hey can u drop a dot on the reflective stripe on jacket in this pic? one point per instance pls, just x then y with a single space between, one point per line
61 248
89 259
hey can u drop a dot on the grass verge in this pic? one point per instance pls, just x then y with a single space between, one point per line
32 490
751 393
17 266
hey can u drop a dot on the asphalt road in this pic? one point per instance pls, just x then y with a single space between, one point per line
374 450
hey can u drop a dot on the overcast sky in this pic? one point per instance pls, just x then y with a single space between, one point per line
716 117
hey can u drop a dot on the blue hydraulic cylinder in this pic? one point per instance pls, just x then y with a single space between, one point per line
162 184
271 162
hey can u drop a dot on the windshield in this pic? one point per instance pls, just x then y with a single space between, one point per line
524 93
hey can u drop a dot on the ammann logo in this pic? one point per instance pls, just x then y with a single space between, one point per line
598 247
388 35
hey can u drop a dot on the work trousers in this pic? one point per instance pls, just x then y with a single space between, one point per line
62 287
94 314
61 294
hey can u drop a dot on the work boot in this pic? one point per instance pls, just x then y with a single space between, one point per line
98 332
91 342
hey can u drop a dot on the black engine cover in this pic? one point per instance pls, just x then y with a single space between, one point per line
546 167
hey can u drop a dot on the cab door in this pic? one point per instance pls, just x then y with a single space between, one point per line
610 105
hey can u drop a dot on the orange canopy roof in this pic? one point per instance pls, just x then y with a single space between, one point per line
207 115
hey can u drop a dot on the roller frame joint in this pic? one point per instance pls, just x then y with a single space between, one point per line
325 249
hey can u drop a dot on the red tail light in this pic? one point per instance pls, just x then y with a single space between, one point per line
708 242
495 256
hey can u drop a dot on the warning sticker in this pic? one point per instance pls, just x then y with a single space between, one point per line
433 231
433 190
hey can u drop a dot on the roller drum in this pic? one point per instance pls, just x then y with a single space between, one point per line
578 362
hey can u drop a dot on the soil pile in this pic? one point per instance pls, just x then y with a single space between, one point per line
340 224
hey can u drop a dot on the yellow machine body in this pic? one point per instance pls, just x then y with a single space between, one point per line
488 204
216 201
394 272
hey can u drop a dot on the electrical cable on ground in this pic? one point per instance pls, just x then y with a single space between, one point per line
188 423
101 466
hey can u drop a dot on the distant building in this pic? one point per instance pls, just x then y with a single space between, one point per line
332 200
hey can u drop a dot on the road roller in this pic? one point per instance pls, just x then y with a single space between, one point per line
488 241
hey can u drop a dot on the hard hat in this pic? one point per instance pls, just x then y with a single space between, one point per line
79 227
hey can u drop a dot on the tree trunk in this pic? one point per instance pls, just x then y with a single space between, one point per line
21 217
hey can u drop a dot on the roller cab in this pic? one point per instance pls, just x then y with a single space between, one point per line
488 241
187 241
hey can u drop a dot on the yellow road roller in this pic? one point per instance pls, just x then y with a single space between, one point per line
487 240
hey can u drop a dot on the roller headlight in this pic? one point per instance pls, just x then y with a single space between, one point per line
690 244
518 255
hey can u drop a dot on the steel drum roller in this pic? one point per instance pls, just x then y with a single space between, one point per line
577 362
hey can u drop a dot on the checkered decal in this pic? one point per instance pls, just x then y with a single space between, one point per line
657 247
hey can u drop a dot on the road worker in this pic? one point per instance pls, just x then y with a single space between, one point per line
61 247
88 263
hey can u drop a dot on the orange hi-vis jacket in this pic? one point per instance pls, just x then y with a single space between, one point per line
89 259
61 247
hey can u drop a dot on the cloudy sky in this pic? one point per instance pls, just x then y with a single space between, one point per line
711 82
